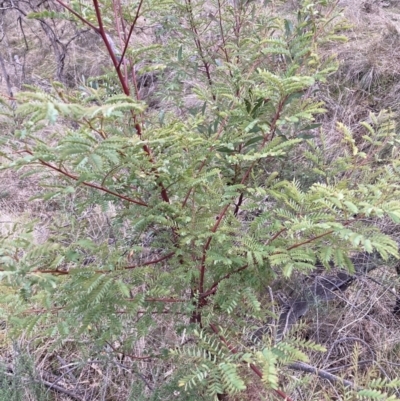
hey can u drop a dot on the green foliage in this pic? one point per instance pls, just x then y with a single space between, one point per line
205 199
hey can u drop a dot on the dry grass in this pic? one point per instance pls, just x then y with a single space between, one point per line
369 71
359 330
363 314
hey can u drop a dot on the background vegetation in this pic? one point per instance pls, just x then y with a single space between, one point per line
176 176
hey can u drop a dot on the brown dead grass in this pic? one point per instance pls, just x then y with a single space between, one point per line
369 71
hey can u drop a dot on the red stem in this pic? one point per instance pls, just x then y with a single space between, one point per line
119 22
221 215
89 184
203 163
65 272
151 262
223 36
103 35
276 236
197 42
130 33
85 21
214 287
207 245
311 239
100 30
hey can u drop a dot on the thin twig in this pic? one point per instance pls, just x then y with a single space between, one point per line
88 184
130 33
304 367
66 272
151 262
85 21
215 285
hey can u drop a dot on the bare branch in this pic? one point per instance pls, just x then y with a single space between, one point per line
304 367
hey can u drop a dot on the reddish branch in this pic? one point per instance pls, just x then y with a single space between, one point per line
345 224
65 272
39 311
267 137
221 215
310 240
101 31
223 37
275 236
151 262
197 42
89 184
203 163
85 21
123 81
253 367
215 285
164 193
103 35
130 33
207 245
272 131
